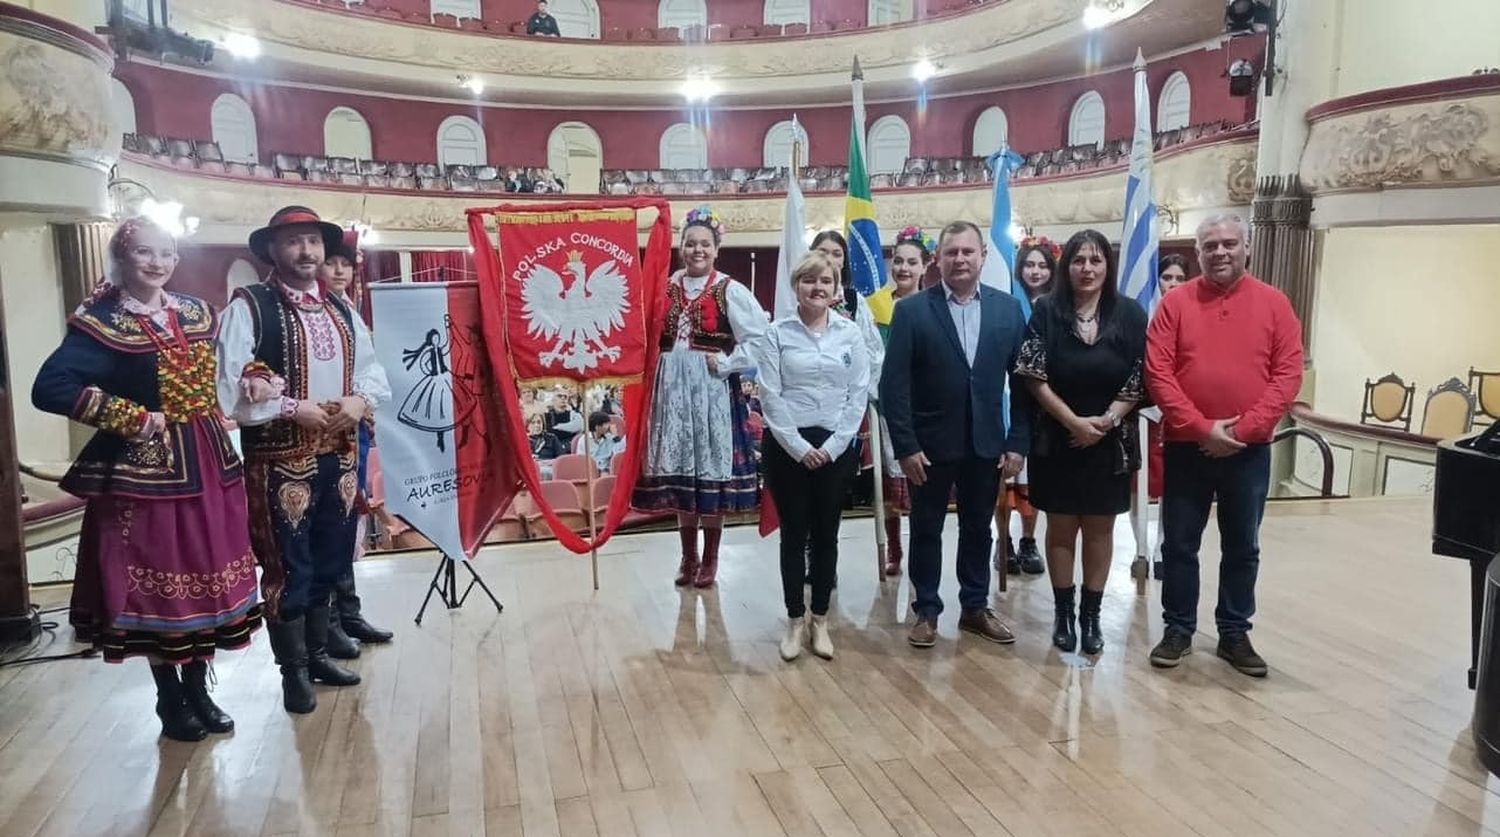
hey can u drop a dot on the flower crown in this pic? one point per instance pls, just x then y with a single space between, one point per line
1041 242
705 217
914 235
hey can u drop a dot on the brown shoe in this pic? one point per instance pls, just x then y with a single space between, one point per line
923 633
986 624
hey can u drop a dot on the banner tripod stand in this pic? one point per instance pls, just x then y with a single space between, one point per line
445 584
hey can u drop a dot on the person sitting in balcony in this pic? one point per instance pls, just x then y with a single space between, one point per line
542 23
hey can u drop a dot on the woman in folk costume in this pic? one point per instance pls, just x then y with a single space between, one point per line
699 460
909 259
347 627
165 569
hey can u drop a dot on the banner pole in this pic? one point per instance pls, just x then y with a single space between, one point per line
588 465
877 455
1140 509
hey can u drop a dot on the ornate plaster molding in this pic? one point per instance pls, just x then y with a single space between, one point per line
1202 177
351 43
1444 142
54 98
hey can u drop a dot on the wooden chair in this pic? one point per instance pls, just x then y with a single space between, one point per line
1450 410
1388 401
1486 389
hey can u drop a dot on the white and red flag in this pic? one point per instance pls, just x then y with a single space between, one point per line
445 465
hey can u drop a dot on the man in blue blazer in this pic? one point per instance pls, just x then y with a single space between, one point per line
952 349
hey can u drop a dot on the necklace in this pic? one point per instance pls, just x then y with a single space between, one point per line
1089 320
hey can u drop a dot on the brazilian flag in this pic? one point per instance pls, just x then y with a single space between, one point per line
866 262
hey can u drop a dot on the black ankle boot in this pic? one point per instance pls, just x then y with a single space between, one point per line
320 667
346 603
1088 621
1064 634
195 690
177 720
289 644
340 645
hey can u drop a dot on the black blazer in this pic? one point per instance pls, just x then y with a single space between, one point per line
933 401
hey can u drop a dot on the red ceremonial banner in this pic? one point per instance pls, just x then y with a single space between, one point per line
567 297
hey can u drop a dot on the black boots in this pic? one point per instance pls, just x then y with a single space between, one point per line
346 606
195 692
1029 557
340 645
1088 621
289 644
177 720
320 667
1064 635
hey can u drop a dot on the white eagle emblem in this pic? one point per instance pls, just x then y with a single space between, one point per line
579 315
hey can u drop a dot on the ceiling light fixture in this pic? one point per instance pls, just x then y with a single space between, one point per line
474 84
242 46
923 70
699 88
1102 13
168 216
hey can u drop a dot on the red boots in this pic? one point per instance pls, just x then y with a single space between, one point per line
709 569
893 546
687 571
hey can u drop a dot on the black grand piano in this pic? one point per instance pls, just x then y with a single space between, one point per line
1466 524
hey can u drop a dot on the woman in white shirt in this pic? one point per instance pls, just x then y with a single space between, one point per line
814 378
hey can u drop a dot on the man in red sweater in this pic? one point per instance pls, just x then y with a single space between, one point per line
1224 363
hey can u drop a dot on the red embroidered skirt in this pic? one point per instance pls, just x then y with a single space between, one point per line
172 579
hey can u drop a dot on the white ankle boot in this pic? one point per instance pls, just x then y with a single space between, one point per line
822 643
796 635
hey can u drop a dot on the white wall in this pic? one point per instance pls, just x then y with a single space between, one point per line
1395 42
1423 302
33 328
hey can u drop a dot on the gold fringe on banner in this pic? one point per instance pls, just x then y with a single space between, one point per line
565 217
542 383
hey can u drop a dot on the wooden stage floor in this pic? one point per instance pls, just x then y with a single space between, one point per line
643 710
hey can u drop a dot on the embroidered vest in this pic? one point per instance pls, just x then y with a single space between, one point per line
127 363
708 313
281 344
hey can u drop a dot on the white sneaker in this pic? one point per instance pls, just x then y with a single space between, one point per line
822 643
796 635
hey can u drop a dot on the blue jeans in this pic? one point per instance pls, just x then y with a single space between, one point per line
1191 483
978 485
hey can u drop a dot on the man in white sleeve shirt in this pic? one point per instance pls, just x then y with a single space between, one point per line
298 372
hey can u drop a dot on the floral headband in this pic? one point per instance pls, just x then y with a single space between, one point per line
914 235
126 234
705 217
1041 242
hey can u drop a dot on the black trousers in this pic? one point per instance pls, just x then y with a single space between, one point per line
975 484
810 504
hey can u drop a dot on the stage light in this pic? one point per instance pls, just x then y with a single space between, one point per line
168 216
242 46
1017 232
474 84
1241 78
923 70
1102 13
699 88
1244 17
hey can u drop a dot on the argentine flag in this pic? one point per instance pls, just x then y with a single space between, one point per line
1140 240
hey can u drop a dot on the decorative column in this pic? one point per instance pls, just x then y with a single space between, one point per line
1281 245
82 260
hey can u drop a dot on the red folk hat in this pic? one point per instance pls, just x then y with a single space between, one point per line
260 240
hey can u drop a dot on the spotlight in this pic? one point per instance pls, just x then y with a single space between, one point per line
474 84
1244 17
242 46
1017 232
923 70
699 88
1241 78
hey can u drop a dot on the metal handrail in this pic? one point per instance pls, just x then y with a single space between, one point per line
1324 451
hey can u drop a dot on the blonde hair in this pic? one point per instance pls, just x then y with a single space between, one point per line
814 263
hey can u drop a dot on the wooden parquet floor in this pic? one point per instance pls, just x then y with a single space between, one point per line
645 710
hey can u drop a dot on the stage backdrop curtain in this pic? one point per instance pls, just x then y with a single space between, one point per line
441 265
558 237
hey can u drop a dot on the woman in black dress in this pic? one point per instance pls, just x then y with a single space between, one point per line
1083 355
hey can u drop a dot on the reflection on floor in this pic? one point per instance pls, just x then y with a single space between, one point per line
645 710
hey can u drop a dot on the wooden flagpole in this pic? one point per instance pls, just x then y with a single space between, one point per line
588 466
877 455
